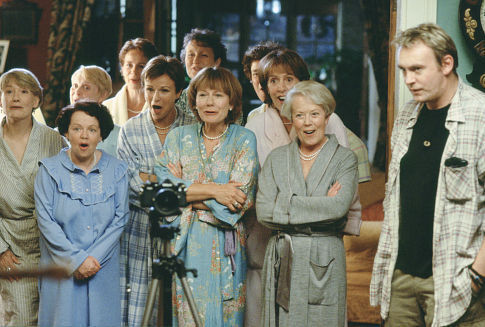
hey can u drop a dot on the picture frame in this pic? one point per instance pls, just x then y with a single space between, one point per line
4 45
19 21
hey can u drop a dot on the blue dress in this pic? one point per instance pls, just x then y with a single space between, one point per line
81 215
220 293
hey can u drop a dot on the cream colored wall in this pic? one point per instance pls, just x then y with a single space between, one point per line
411 13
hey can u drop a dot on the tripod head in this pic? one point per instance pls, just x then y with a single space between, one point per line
165 200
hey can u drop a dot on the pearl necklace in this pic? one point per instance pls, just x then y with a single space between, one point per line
162 133
309 157
215 137
93 163
161 130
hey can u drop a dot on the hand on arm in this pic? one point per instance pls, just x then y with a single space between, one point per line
148 177
175 169
8 261
228 194
333 191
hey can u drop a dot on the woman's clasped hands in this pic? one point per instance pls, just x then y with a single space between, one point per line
88 268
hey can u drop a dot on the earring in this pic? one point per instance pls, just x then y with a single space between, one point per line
230 109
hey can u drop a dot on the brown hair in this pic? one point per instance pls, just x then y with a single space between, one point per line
257 52
286 58
145 46
160 65
217 78
205 38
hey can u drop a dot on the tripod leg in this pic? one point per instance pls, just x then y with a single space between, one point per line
152 292
190 299
161 303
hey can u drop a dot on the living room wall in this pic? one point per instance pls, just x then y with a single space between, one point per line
448 18
32 56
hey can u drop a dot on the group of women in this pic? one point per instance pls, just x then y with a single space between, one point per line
86 200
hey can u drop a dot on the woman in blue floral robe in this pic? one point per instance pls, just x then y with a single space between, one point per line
217 161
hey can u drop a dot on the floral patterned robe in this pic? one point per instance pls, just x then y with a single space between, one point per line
220 294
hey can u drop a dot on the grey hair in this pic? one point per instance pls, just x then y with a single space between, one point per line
312 90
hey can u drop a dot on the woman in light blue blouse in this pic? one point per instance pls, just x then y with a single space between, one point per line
217 161
81 198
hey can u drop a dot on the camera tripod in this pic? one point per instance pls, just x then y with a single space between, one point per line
167 264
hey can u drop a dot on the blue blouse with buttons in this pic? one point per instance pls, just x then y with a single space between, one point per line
81 215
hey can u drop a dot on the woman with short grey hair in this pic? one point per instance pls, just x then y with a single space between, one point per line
305 191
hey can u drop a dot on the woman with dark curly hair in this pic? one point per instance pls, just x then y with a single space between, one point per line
81 198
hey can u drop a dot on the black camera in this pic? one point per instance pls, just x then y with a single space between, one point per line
164 199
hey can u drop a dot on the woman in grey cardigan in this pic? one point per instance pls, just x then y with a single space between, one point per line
305 190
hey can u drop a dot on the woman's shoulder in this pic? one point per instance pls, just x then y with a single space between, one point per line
241 130
256 112
53 165
183 130
48 131
279 152
111 163
118 96
256 118
243 134
136 123
342 152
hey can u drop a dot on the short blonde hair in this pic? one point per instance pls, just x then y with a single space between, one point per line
217 78
24 78
316 92
96 75
432 36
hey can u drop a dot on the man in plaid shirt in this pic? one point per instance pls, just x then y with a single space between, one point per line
430 264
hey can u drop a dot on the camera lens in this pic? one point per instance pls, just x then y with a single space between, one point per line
166 202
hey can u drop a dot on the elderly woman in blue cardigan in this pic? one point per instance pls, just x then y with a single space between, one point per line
305 191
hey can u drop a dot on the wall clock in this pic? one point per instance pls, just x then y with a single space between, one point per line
472 23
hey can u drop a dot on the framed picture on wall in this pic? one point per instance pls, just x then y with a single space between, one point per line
3 54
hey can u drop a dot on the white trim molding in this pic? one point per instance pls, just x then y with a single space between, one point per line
411 13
